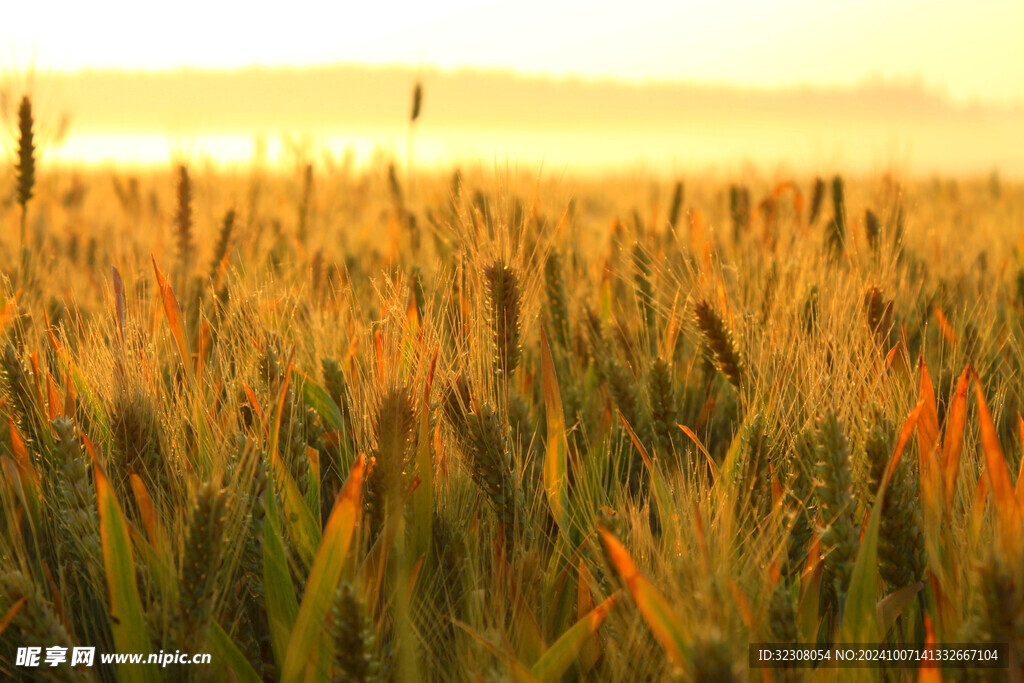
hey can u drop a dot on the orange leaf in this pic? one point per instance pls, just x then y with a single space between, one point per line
20 452
254 402
945 327
928 423
205 342
11 613
904 438
69 394
666 627
53 402
1020 473
929 672
953 442
742 604
150 521
995 465
889 357
928 438
700 446
174 318
118 301
7 311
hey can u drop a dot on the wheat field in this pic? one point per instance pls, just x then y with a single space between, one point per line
358 425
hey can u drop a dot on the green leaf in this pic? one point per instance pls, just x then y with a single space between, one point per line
224 651
555 462
892 605
560 656
317 398
519 671
860 620
307 636
127 621
282 607
423 496
300 519
662 496
807 608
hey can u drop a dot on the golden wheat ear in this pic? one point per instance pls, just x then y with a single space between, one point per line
720 342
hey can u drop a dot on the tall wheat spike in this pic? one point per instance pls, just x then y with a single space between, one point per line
677 205
417 102
220 251
183 221
872 229
25 171
739 210
837 226
817 198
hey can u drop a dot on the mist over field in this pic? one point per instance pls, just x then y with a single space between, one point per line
565 124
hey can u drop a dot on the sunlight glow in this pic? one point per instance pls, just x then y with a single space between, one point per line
973 51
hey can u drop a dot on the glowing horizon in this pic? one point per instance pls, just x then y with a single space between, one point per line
971 55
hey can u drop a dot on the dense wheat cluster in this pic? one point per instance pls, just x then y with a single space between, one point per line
326 427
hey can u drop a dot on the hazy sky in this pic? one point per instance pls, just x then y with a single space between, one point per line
972 51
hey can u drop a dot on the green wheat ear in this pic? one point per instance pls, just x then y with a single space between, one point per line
558 298
506 302
662 397
355 646
201 564
833 492
36 621
393 427
478 433
901 551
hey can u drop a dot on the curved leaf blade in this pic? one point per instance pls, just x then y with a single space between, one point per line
306 641
563 652
127 621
